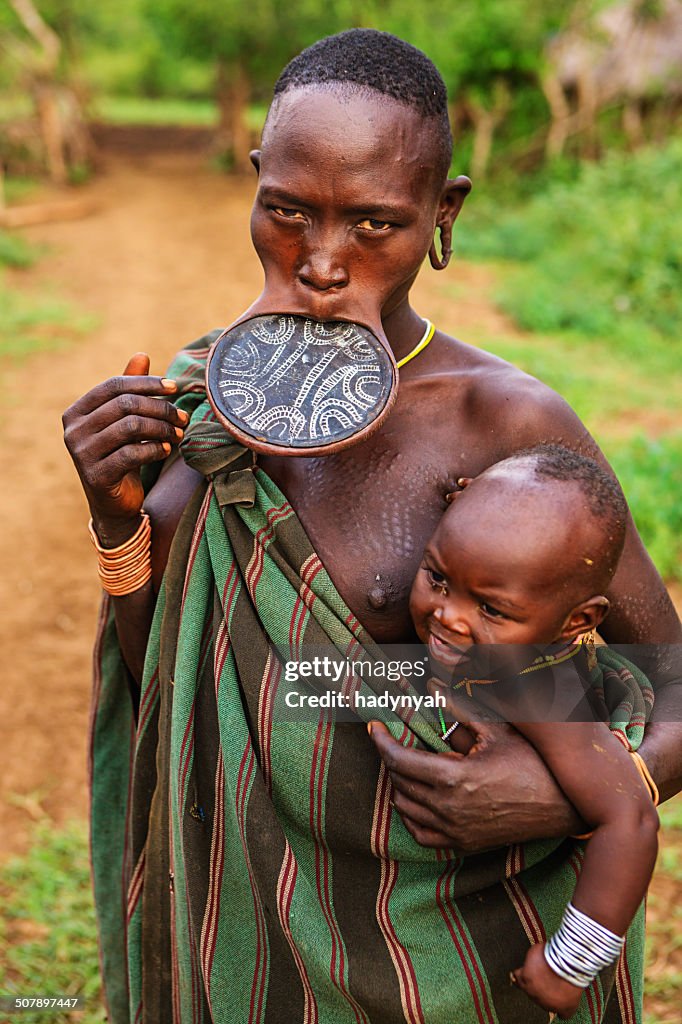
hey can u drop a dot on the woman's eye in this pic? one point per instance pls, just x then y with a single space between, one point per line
285 211
369 224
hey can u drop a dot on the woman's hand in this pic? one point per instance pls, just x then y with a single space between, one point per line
110 433
500 793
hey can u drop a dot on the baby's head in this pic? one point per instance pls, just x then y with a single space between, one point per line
524 555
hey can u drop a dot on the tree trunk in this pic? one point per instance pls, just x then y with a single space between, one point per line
633 125
233 91
47 107
485 122
558 104
588 106
484 127
62 127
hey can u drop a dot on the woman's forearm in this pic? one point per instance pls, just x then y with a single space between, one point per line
133 615
661 747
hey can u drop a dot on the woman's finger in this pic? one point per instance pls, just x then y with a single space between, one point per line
433 838
115 387
110 471
137 365
132 428
420 765
417 811
415 791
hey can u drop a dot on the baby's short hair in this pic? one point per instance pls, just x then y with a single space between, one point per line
379 61
603 493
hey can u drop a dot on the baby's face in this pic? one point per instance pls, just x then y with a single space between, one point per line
488 576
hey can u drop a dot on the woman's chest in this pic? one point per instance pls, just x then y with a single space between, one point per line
369 513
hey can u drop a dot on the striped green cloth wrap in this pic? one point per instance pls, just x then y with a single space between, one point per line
251 870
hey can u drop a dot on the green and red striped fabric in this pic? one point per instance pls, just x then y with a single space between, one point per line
252 870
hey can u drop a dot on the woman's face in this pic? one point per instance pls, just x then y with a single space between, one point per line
347 202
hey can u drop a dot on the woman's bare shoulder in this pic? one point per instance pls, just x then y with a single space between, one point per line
494 390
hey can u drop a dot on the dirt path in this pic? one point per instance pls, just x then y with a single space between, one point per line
157 265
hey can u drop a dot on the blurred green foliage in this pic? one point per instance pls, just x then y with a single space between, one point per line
593 267
600 254
15 251
650 472
157 48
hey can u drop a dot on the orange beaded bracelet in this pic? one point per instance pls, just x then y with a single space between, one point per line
128 567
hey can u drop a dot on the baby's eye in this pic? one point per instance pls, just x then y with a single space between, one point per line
436 579
369 224
285 211
490 611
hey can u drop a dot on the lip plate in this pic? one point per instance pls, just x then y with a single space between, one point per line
245 434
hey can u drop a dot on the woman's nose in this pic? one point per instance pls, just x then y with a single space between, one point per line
323 268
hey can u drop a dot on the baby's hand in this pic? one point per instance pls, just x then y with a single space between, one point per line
547 989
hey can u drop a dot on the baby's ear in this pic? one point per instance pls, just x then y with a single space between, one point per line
585 617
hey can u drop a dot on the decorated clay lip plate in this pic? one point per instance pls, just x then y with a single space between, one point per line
285 384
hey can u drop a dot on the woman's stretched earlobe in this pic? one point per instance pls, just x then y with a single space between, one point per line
436 261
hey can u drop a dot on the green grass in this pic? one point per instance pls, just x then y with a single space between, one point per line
650 471
19 188
129 110
15 105
29 325
663 978
16 251
48 937
140 110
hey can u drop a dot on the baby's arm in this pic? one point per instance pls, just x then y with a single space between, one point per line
597 775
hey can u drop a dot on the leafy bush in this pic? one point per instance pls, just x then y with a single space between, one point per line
650 472
600 255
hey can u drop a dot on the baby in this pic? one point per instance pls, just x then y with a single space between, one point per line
522 557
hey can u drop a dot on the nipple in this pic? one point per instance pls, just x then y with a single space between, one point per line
377 595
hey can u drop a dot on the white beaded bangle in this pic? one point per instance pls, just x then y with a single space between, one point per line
581 948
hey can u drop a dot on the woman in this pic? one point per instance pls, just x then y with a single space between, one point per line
271 870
